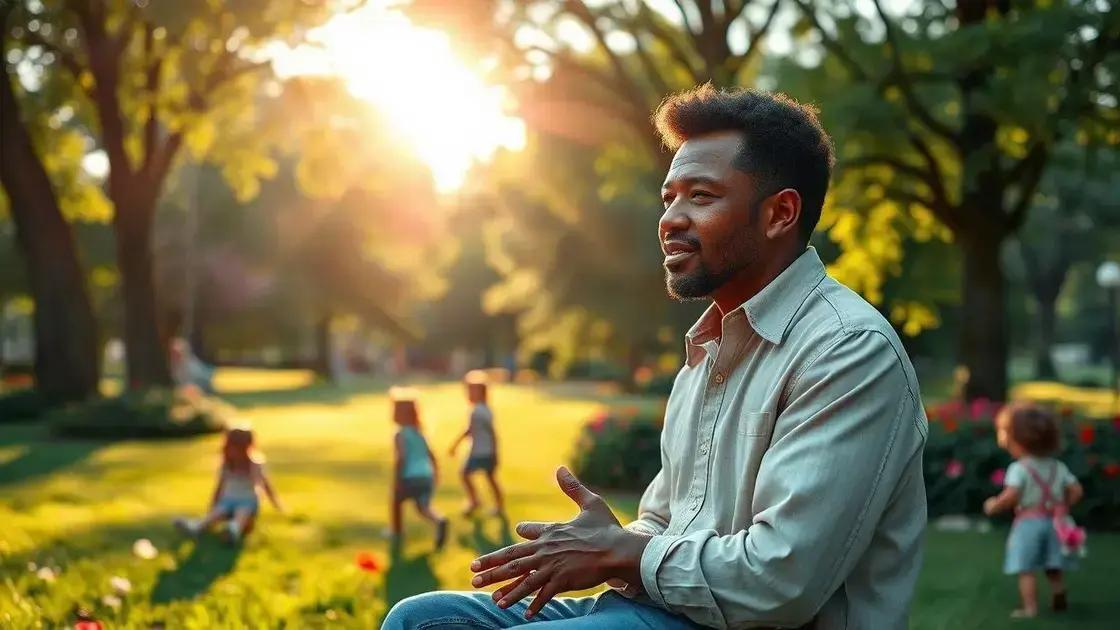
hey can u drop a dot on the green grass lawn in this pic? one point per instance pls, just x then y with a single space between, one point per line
78 507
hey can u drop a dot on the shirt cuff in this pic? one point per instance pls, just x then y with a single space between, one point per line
652 558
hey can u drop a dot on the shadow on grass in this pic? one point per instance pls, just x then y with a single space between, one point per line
407 576
481 539
40 454
208 560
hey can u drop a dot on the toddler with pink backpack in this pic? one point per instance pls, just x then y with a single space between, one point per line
1041 490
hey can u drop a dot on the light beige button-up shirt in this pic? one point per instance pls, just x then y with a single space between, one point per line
791 488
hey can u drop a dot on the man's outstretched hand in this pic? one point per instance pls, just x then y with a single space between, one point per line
583 553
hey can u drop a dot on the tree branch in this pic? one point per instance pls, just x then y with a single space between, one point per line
687 21
66 58
756 36
654 74
913 104
1029 171
831 44
155 68
879 159
898 194
626 82
668 38
936 181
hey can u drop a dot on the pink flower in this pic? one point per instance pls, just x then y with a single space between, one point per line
979 407
998 476
954 469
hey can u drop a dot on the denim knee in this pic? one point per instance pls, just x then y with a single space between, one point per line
446 609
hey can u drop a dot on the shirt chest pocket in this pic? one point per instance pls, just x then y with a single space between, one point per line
755 424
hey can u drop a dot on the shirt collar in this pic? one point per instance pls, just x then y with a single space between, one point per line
769 312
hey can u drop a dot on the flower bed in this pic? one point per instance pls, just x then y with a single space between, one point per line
964 465
619 449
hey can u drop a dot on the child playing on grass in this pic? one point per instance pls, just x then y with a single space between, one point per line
415 469
1040 489
235 495
483 455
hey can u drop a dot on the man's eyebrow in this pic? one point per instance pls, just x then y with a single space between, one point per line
691 179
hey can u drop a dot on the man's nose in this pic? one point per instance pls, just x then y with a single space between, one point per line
674 219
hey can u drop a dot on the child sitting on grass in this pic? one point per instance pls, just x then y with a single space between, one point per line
1040 489
235 495
415 470
483 455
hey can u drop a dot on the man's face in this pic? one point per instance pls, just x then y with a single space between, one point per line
710 231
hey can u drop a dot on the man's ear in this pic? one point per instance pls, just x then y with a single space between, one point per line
781 213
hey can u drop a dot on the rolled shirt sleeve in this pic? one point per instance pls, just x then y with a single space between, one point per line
846 437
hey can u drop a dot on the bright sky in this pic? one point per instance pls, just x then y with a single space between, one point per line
434 100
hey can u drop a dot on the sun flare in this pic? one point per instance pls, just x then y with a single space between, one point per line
434 100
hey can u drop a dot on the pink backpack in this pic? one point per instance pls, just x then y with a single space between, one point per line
1070 536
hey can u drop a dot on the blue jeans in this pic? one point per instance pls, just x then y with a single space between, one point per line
477 611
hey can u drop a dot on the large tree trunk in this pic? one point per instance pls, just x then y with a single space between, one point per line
983 329
323 347
66 355
145 345
1044 364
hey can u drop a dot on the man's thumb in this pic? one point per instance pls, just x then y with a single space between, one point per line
574 488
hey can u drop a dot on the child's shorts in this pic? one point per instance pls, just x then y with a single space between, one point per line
481 462
230 505
419 489
1033 545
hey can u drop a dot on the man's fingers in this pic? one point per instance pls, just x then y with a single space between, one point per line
575 489
532 582
532 530
548 591
500 593
502 556
508 571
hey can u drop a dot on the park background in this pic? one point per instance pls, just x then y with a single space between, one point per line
273 210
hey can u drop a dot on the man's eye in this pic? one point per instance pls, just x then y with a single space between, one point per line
700 194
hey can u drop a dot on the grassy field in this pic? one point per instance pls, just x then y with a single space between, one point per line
71 512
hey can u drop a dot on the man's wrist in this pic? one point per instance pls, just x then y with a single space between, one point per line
627 547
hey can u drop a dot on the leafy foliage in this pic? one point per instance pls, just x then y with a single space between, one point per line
142 414
620 448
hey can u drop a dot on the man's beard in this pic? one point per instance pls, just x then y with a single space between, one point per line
695 285
738 254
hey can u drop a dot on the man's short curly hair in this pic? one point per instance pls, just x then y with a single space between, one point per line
784 144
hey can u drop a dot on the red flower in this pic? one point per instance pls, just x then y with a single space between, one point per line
1087 435
368 562
998 476
597 424
1112 470
950 424
1116 423
954 469
88 624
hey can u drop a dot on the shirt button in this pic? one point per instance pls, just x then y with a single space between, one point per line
719 378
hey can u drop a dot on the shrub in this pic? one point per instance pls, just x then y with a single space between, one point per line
620 448
151 413
21 405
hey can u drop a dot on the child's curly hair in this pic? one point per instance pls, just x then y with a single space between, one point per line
1031 427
